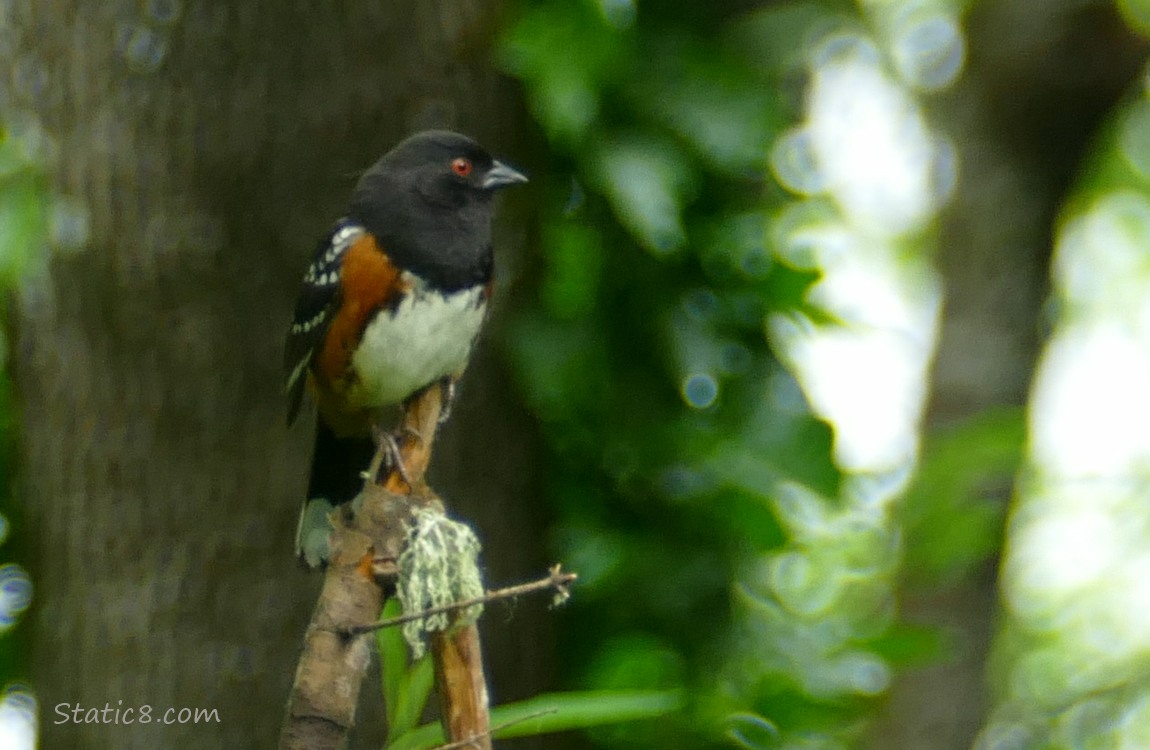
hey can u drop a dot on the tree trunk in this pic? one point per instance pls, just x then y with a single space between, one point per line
1043 76
208 144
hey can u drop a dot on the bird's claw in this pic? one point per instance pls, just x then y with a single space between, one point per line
393 455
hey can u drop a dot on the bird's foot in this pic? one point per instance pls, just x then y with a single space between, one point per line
388 441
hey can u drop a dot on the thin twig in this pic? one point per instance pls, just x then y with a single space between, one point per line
557 580
491 732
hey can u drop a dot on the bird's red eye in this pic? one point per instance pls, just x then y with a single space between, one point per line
461 166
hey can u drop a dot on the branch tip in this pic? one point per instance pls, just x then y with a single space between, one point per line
556 580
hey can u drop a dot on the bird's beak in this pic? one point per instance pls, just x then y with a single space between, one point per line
501 175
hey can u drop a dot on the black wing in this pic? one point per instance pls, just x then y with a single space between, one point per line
317 302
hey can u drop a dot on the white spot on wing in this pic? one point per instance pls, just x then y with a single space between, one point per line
324 270
296 373
345 236
308 325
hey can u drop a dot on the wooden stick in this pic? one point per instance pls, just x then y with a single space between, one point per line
420 420
459 677
461 686
321 709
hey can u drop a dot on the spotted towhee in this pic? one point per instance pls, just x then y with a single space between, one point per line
391 304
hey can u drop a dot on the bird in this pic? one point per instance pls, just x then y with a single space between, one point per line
391 304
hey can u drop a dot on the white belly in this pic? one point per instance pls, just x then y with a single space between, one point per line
427 337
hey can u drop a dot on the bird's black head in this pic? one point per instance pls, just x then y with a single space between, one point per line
429 201
443 168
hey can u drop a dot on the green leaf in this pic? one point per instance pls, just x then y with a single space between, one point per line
558 712
565 88
574 266
23 225
952 512
700 94
647 181
412 698
392 660
405 689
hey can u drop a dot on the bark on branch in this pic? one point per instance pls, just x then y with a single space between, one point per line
359 576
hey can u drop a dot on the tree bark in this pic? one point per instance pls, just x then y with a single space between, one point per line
207 145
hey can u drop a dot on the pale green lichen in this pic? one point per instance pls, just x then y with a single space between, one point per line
439 566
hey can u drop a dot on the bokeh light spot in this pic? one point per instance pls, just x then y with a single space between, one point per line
34 144
869 139
805 236
869 382
735 358
1091 404
802 511
700 304
1084 540
70 225
141 46
864 673
15 593
164 11
700 390
800 586
618 13
928 50
683 482
18 722
794 164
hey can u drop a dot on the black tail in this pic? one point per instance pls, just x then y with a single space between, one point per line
337 465
336 468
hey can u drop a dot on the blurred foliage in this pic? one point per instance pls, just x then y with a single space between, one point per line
684 457
1070 663
407 687
1136 13
545 714
724 557
24 203
952 514
24 232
